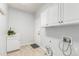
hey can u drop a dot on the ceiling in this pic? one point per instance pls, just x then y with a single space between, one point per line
28 7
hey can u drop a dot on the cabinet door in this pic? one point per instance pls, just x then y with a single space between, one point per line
53 15
71 12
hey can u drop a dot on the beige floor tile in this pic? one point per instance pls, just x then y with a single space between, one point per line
27 51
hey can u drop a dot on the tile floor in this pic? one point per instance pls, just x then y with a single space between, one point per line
27 51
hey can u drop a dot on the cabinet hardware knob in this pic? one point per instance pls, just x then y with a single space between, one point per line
61 21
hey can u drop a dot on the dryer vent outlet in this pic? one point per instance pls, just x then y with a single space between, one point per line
67 39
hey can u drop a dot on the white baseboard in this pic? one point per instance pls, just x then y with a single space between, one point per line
27 43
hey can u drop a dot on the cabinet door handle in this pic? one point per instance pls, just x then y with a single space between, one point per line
61 21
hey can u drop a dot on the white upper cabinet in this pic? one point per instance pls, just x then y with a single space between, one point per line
71 12
60 14
53 15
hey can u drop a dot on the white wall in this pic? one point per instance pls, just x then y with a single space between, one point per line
23 24
55 34
3 28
